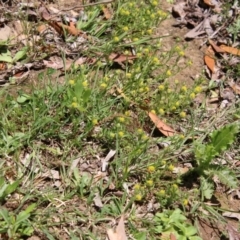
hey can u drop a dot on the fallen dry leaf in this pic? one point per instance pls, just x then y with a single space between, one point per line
120 233
120 58
232 215
216 48
231 50
172 237
235 87
209 3
209 59
162 127
233 232
107 13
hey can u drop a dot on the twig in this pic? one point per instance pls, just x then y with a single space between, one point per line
87 5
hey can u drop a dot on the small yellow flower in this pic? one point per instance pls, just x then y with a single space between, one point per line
176 81
85 83
168 73
111 135
127 13
161 87
192 95
135 39
128 75
169 90
185 202
138 70
146 50
71 82
178 48
177 104
140 131
153 111
121 119
163 162
189 63
116 39
198 89
173 108
74 104
152 16
126 52
137 186
170 167
181 136
182 114
184 88
151 169
146 89
127 113
138 197
94 121
103 85
155 60
149 183
139 55
106 78
121 134
125 29
181 53
162 192
154 3
141 90
175 186
161 111
144 137
149 31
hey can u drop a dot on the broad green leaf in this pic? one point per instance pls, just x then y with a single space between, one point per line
5 57
227 177
195 238
190 231
5 215
22 216
221 139
11 187
30 208
140 236
207 188
20 54
204 155
23 98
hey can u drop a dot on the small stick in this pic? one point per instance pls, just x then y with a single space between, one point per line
87 5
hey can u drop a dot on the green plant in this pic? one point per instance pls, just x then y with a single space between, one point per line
220 141
173 221
6 188
16 226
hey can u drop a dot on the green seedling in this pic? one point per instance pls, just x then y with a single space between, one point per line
176 223
220 140
16 226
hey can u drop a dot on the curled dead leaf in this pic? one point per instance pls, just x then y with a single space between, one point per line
161 126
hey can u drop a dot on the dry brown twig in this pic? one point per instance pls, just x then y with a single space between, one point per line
86 5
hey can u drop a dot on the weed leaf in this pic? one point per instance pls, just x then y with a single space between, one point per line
207 188
11 188
221 139
226 177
